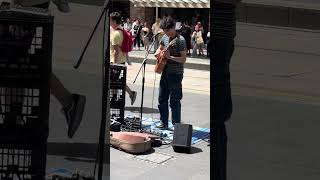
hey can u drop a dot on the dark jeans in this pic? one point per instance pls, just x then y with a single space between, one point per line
170 87
137 41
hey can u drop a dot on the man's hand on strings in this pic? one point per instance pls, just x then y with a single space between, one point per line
167 54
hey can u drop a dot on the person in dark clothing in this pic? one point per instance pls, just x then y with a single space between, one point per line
221 47
170 88
186 31
136 32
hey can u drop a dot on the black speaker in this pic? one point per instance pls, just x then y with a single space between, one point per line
182 138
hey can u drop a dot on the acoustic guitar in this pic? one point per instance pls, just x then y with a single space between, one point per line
161 59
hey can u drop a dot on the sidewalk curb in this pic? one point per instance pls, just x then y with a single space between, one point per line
188 65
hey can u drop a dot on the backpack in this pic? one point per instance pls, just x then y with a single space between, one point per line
127 41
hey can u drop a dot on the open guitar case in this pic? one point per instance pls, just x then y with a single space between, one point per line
132 142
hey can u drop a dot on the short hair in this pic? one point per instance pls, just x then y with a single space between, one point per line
167 23
116 16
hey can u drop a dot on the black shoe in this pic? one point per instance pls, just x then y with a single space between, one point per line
162 126
74 113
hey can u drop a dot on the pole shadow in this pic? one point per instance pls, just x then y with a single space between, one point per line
145 110
76 151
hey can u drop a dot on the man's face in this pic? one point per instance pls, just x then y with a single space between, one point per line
170 32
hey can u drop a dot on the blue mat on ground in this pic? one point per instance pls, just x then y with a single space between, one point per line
198 133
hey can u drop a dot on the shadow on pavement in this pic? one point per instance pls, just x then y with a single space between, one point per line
76 151
144 153
146 110
195 150
73 159
148 152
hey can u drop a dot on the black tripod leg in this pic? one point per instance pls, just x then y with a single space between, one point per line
105 113
89 40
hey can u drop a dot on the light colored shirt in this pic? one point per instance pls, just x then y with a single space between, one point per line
116 39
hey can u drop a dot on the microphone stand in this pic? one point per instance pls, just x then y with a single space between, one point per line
105 113
143 67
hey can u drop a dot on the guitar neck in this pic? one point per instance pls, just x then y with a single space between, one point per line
171 44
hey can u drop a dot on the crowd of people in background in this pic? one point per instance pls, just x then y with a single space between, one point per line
143 32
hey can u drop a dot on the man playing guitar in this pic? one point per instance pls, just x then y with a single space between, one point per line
172 74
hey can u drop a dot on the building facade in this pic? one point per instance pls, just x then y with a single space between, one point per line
149 10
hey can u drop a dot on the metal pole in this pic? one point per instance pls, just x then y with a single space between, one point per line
157 13
105 113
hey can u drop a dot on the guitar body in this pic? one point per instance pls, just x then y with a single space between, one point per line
161 62
161 58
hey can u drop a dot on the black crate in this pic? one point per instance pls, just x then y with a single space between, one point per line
117 98
25 47
117 115
117 104
25 70
24 161
118 74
